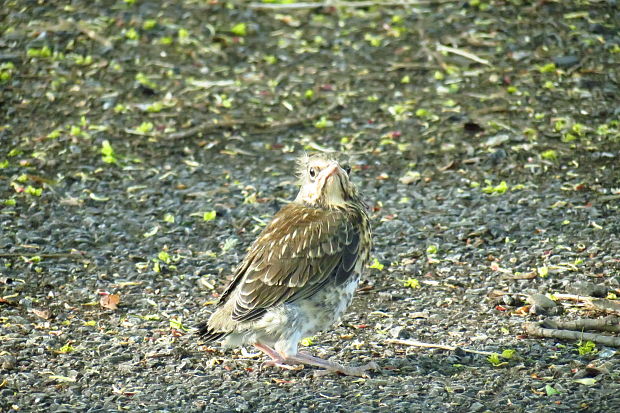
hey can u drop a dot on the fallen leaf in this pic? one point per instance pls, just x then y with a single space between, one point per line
44 314
281 381
110 301
587 381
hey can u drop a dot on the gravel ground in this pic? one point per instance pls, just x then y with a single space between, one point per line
484 135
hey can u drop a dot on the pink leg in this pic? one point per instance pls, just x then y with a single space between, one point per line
276 359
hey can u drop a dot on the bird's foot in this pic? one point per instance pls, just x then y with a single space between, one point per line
357 371
276 359
282 363
331 367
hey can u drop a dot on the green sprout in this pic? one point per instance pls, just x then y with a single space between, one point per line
209 216
31 190
149 24
411 283
323 123
587 347
239 29
6 71
107 152
169 218
497 189
164 257
549 155
145 128
145 81
132 34
496 359
548 68
43 52
67 348
376 265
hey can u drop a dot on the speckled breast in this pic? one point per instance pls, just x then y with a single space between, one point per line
327 306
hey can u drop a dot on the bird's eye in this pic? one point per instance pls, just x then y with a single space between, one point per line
312 172
347 169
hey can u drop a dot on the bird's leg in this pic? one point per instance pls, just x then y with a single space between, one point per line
330 366
276 359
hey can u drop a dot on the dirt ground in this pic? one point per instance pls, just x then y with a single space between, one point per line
144 144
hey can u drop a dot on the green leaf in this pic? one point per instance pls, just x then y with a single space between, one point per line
239 29
151 232
107 152
67 348
323 123
494 359
548 68
307 342
411 283
543 271
587 347
550 390
164 256
145 127
497 189
31 190
169 218
376 265
508 353
549 155
589 381
209 216
177 325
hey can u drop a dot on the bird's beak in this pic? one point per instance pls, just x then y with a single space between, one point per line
331 170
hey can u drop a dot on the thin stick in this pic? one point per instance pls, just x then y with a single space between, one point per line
535 330
601 304
206 126
415 343
30 255
349 4
463 53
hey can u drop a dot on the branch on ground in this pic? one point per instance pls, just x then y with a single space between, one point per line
536 330
600 304
414 343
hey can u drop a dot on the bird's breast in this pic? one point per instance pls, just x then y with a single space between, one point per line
327 306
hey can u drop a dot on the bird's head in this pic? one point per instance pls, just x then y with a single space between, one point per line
324 183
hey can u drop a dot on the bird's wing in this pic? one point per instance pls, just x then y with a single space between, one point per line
300 250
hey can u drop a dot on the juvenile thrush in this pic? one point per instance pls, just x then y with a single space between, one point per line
300 274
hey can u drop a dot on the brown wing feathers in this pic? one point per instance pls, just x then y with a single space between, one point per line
294 256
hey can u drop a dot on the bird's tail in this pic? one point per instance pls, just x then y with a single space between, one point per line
208 333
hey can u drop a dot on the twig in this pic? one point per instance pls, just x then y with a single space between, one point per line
439 346
30 255
535 330
600 304
203 127
463 53
610 324
351 4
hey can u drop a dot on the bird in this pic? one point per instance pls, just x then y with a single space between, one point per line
300 274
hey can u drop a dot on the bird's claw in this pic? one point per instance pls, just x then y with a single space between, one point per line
282 364
358 371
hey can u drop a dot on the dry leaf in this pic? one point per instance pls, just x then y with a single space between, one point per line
110 301
44 314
